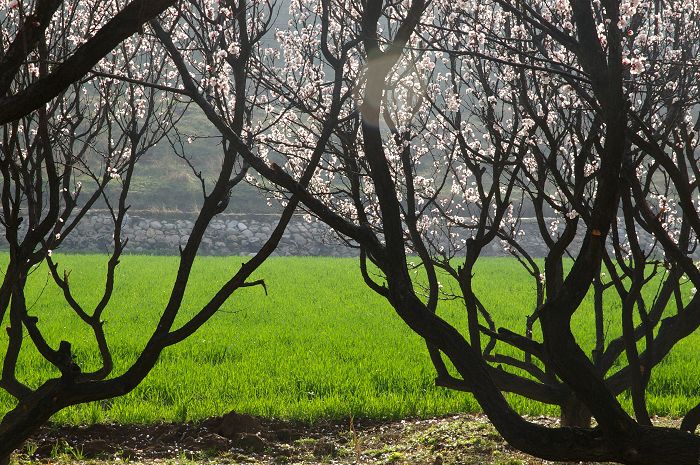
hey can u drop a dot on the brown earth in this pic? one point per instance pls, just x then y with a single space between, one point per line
244 439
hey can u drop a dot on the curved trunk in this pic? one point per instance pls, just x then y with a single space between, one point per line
28 416
634 445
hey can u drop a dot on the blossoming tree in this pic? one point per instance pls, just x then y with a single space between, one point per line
464 115
56 165
421 131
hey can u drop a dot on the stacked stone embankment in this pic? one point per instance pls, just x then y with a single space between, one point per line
243 234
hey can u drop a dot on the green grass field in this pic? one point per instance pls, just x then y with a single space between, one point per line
320 345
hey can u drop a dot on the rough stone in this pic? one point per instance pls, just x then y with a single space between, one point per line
161 233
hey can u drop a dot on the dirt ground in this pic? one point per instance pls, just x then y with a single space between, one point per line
244 439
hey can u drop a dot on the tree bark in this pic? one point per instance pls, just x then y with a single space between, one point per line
575 413
691 420
28 416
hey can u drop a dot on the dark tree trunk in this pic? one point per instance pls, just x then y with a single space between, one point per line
691 420
575 413
633 444
27 417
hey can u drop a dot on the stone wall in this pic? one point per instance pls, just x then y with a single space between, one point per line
230 234
163 233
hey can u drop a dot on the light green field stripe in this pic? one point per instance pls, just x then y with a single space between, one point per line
320 345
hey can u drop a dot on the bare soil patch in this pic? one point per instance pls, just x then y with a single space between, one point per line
244 439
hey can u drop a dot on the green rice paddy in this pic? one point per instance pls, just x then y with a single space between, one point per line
320 345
